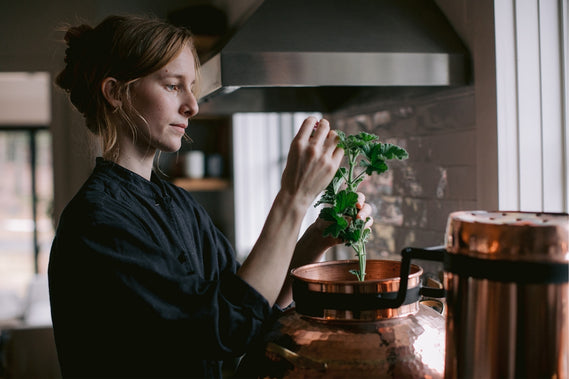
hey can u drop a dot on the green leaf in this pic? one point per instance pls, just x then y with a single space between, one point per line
365 235
390 151
355 143
324 200
335 229
366 137
344 200
352 235
342 139
328 214
337 222
359 223
329 195
339 179
377 167
377 156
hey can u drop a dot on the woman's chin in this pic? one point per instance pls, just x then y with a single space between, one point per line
171 147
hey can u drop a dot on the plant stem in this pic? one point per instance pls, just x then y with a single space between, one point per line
362 259
359 246
350 182
359 175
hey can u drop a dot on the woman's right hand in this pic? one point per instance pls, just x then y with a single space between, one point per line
313 159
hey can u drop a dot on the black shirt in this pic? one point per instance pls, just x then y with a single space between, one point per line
143 284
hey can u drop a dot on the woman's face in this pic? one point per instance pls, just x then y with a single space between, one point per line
166 101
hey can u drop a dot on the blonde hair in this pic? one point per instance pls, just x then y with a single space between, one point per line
126 48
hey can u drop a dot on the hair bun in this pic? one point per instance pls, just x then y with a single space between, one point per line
76 38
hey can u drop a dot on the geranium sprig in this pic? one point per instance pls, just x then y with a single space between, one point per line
365 156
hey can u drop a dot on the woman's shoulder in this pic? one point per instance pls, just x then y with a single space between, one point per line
93 201
98 197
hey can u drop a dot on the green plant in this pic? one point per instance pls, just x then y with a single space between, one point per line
365 156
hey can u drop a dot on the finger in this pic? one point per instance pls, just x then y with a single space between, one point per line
365 212
306 128
314 129
321 132
331 141
337 156
361 200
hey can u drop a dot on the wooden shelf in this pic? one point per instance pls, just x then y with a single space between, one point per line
205 184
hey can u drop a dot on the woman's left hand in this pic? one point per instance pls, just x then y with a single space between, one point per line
363 213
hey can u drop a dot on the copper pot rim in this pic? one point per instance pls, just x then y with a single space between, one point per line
415 272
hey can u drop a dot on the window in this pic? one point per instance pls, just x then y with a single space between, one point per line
26 193
26 188
532 97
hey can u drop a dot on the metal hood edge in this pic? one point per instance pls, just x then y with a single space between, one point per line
316 55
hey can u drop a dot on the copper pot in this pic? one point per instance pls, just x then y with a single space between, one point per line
507 295
343 328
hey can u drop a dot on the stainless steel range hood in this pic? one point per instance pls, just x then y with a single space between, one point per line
304 55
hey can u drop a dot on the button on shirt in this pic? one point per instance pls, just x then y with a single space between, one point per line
143 284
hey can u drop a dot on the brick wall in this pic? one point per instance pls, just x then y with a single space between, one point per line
412 201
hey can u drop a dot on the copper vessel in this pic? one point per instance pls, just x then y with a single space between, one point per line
343 328
507 295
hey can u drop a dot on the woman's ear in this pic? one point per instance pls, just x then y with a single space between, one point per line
109 88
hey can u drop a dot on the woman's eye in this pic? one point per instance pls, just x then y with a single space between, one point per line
171 87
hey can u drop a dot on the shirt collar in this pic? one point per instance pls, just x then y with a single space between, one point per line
154 187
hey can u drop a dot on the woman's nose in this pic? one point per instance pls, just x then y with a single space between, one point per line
190 107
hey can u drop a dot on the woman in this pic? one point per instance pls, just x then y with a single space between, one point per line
141 282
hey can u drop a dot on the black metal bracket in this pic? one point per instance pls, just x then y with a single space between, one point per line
436 253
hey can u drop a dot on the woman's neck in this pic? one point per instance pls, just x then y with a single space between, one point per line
131 158
142 167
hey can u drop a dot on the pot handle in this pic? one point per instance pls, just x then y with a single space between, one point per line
436 253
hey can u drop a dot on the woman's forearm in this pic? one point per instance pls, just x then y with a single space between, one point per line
266 267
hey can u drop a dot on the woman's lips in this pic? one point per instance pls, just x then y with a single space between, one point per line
180 126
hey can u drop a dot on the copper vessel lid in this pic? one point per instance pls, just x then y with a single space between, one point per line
521 236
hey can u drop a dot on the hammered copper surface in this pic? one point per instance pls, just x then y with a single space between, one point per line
498 329
407 347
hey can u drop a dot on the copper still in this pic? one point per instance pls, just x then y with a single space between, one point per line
343 328
506 275
506 310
